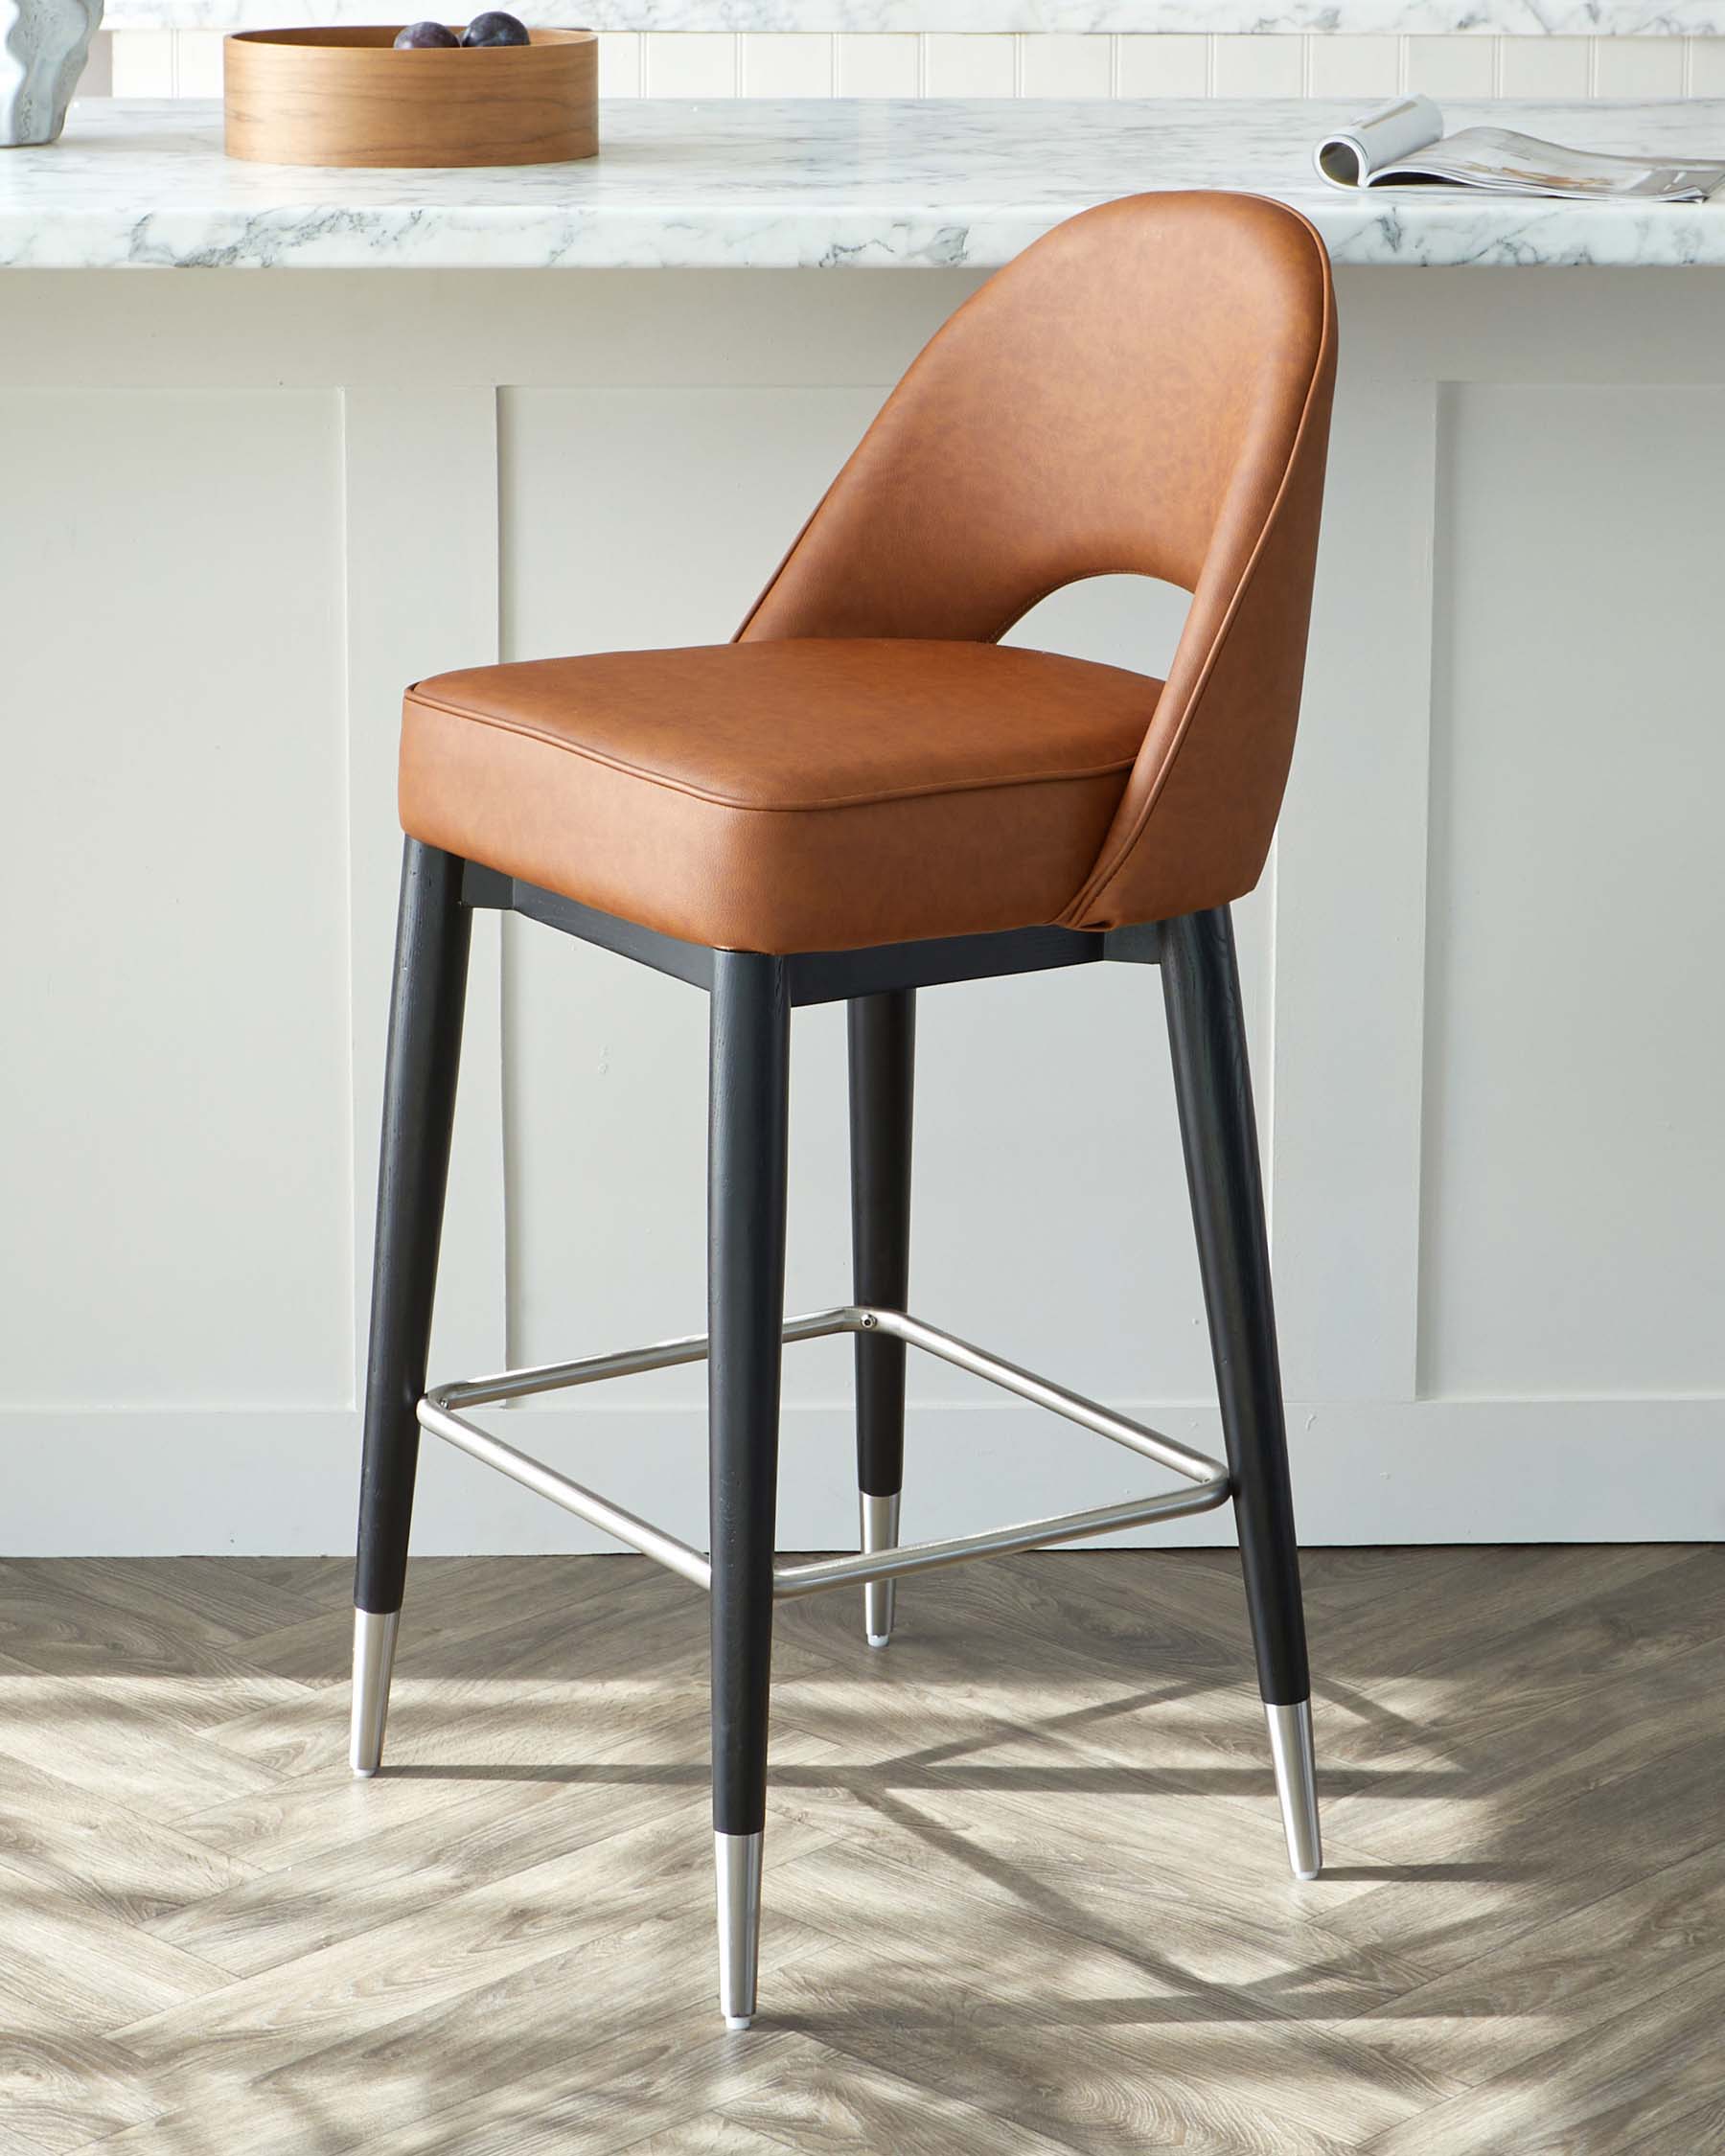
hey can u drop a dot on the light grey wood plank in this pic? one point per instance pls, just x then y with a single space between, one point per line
848 2109
993 1976
14 2143
1114 1869
315 1581
638 2050
1660 2132
1066 2061
66 1628
1025 1889
1622 1952
1624 2083
447 1597
1199 1591
100 1847
1489 1872
1444 1609
114 1736
602 2042
202 1597
259 2022
360 1874
59 2092
67 1965
1192 1623
704 2137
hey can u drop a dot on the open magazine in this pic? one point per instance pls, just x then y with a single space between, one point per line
1403 144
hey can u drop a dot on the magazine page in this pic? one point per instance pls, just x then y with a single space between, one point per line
1394 131
1402 144
1512 164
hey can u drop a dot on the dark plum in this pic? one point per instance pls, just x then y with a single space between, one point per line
418 35
496 27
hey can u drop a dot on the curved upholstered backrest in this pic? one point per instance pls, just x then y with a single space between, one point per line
1146 390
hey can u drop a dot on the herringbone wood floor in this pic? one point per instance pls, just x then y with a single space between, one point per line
1025 1886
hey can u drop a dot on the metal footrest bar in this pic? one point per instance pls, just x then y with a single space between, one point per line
587 1504
817 1577
437 1413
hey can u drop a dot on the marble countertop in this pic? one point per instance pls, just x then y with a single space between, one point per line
1513 18
817 184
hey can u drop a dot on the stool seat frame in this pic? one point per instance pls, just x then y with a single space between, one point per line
752 995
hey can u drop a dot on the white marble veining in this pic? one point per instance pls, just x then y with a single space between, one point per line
1509 19
43 47
811 184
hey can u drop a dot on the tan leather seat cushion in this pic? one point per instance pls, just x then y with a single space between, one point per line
781 797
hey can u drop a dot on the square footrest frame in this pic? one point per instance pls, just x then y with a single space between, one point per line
439 1413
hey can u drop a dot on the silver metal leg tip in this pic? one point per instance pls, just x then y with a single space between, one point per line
739 1868
737 2022
880 1522
374 1665
1297 1784
365 1774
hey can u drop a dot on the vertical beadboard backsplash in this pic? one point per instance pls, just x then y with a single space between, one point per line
186 63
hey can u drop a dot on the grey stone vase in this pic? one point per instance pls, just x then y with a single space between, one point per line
43 47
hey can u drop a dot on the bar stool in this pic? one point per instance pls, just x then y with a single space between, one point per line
866 794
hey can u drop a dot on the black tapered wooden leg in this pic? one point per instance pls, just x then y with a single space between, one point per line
1213 1083
883 1062
749 1116
432 937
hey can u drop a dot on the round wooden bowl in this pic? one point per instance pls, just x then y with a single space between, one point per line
346 97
